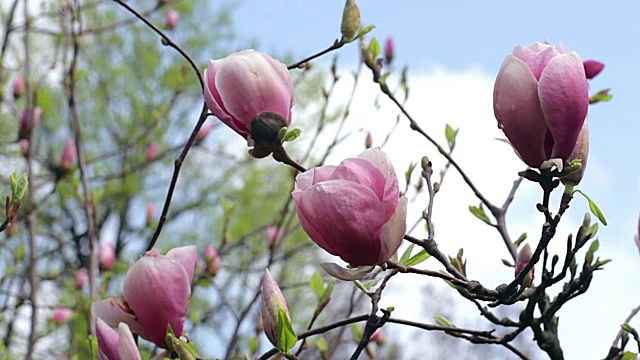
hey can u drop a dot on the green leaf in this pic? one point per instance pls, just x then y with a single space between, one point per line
321 344
522 238
253 345
418 258
374 47
599 263
406 254
14 182
286 336
370 283
327 291
357 331
317 285
478 211
19 252
594 208
383 78
292 135
592 249
628 328
628 355
443 322
364 31
450 134
602 95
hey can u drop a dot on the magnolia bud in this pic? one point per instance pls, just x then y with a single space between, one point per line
61 315
212 259
204 131
18 87
580 151
69 156
172 19
81 278
524 256
273 237
272 302
152 152
106 255
368 141
592 68
26 124
151 213
388 50
350 20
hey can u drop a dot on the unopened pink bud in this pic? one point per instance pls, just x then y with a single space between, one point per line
389 50
106 255
524 256
69 156
204 131
212 259
592 68
152 152
61 315
368 141
18 87
82 277
172 19
151 213
377 336
273 236
24 146
272 302
27 124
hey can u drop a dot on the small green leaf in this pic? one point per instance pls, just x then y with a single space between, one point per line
407 175
370 283
13 179
286 336
19 252
599 263
628 355
602 95
507 263
292 135
321 344
450 134
592 249
522 238
374 47
406 254
253 345
364 31
479 213
594 208
317 285
327 291
418 258
357 331
383 78
443 322
627 327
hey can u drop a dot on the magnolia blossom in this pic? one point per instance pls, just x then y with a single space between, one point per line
157 290
172 19
81 277
389 50
106 255
272 302
61 315
353 210
245 84
212 260
592 68
524 256
151 152
27 124
540 100
116 345
69 156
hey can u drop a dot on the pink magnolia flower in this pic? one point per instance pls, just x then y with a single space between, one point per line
245 84
151 213
172 19
540 100
81 277
353 210
580 151
204 131
116 345
272 302
26 124
157 290
389 50
69 156
592 68
61 315
151 152
212 259
106 255
18 87
524 256
273 236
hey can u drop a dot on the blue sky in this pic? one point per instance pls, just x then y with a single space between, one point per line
473 37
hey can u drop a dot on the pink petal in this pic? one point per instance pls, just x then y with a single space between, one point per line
348 215
127 347
564 100
214 101
592 68
517 108
362 172
158 289
393 231
187 256
107 341
267 81
311 177
114 310
380 160
536 61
